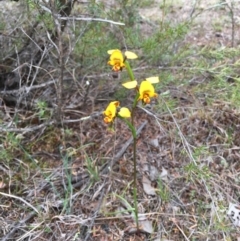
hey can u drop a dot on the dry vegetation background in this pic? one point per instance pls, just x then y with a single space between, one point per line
64 175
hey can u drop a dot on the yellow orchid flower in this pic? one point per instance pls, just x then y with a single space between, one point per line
124 112
146 91
117 59
110 112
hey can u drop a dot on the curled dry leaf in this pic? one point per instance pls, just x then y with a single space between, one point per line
154 143
146 226
148 189
164 174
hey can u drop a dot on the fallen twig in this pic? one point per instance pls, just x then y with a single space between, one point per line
49 123
26 89
20 199
91 19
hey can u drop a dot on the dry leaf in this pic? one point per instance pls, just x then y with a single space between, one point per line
148 189
146 226
154 143
164 174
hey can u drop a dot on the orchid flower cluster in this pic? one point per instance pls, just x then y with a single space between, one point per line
144 92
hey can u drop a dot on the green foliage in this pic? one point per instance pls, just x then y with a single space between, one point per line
128 205
58 5
127 12
31 4
47 19
2 24
160 47
47 230
220 68
146 3
87 50
197 172
92 169
10 144
163 191
96 8
42 110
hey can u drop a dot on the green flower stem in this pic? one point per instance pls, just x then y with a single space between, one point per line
131 127
134 107
135 161
134 134
135 180
129 70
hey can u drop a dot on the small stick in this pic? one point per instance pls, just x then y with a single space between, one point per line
20 199
184 235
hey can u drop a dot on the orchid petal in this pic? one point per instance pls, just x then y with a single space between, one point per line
153 80
130 84
130 55
124 112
